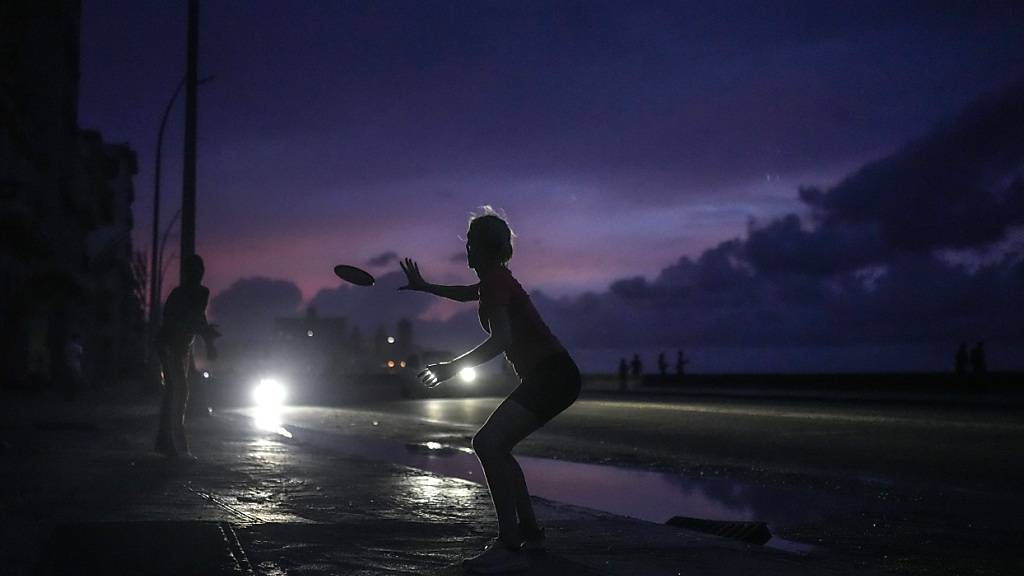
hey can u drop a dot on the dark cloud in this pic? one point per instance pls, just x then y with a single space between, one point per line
961 186
920 299
786 245
247 309
869 268
382 260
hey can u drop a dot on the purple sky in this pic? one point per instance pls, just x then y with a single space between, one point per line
617 136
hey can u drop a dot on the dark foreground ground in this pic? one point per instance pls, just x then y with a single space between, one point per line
83 494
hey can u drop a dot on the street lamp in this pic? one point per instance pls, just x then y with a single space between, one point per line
156 258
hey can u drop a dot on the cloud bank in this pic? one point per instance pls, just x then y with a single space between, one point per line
924 245
246 310
870 264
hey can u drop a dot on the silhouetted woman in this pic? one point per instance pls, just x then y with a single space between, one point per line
184 318
549 383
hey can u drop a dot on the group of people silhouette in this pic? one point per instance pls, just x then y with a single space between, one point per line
975 359
549 378
634 369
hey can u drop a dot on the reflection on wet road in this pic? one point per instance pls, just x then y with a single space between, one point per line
641 494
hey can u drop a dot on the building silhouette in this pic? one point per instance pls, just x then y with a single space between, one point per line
66 259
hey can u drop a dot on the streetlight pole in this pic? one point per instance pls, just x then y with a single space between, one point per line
188 184
156 258
154 284
163 243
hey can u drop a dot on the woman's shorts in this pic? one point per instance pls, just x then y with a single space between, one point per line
552 386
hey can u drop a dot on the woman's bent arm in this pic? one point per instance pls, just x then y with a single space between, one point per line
501 335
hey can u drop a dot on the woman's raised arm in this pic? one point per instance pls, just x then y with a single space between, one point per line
415 281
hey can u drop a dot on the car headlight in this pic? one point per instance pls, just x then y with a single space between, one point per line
269 392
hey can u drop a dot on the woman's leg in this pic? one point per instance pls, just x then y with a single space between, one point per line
181 403
524 506
174 383
507 426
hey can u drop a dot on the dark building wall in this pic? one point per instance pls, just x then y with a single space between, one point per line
39 58
65 204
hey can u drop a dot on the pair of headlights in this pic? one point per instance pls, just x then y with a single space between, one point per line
270 392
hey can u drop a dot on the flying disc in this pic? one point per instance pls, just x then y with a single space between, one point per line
354 275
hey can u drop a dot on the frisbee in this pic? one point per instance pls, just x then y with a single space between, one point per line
354 275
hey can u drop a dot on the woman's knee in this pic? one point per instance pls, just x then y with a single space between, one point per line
487 442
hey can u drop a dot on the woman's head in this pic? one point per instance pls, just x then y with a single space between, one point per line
489 240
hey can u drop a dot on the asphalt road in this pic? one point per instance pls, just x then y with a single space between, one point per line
921 488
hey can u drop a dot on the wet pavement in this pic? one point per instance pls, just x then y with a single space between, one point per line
876 484
83 490
642 494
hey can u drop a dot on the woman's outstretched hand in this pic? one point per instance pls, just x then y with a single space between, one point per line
434 374
414 280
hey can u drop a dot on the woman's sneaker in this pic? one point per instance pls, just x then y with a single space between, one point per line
497 559
533 541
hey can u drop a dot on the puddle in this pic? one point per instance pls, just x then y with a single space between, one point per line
641 494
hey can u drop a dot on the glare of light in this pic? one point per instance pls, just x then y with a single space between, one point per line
269 392
206 374
391 363
467 374
269 397
402 363
424 490
309 333
434 445
268 419
391 339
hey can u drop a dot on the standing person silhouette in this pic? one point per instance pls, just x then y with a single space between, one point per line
636 367
623 374
979 365
549 383
681 363
960 361
184 318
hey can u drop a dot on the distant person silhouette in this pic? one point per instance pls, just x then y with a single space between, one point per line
662 366
961 359
681 363
549 383
184 318
636 367
623 374
979 364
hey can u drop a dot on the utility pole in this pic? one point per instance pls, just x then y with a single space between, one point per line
188 184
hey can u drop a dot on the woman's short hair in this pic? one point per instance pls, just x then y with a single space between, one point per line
491 235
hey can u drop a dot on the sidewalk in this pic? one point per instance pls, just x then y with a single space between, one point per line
83 493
